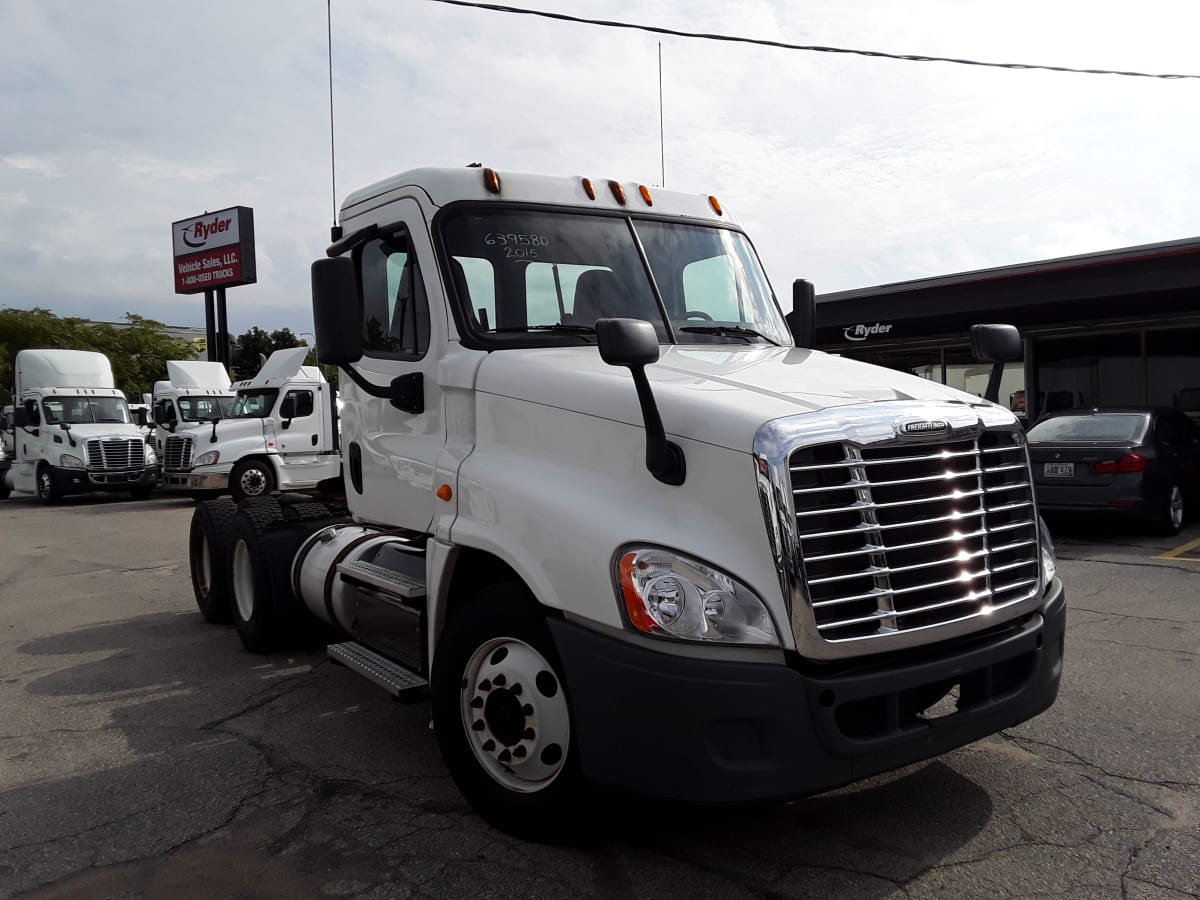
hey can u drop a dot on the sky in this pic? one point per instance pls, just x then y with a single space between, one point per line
117 118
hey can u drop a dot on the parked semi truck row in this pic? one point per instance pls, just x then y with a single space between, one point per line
623 529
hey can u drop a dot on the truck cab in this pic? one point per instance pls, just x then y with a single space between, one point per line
72 432
195 393
275 431
621 529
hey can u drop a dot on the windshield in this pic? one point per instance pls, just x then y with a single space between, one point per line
204 409
523 273
84 410
1104 427
254 404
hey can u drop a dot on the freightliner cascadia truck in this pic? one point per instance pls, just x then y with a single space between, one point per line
602 504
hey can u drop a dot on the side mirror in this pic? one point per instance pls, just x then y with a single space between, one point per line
996 344
143 419
20 418
803 318
627 342
633 343
337 311
287 410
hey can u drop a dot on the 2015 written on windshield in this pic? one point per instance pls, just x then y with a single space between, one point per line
517 246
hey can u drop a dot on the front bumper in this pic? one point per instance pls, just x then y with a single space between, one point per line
197 481
719 732
82 481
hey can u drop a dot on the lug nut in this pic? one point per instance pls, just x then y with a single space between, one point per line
516 689
504 756
499 681
529 734
527 710
477 725
477 703
485 685
489 745
519 752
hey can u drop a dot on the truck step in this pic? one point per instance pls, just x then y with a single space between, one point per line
388 581
392 677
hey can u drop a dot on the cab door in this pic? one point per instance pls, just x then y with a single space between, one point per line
299 419
390 448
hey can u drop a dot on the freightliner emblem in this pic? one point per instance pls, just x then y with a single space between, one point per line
933 426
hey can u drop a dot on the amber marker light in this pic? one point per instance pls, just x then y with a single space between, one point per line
617 191
589 189
716 206
645 192
638 615
445 492
491 181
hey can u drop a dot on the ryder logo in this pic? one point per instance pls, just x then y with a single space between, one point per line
862 332
198 233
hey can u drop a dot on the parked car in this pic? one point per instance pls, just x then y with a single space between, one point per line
1139 462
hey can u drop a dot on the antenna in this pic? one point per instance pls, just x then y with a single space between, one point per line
662 150
335 233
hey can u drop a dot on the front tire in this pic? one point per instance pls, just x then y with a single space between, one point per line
47 490
251 478
208 557
502 716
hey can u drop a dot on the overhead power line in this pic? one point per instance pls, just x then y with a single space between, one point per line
810 48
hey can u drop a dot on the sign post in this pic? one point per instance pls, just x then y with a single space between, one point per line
212 252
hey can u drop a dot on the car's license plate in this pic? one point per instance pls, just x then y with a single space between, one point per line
1059 470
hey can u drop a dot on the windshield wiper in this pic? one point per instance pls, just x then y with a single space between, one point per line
577 330
729 331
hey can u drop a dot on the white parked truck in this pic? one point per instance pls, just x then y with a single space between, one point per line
71 432
195 393
279 433
622 527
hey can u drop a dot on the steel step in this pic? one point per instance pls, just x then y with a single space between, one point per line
389 581
391 676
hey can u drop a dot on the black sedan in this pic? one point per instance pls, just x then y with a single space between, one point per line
1144 463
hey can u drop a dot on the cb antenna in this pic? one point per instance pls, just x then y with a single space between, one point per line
335 231
662 149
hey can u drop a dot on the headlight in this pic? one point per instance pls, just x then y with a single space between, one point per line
670 595
207 459
1049 558
67 461
151 456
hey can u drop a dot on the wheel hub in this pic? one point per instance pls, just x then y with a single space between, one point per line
515 715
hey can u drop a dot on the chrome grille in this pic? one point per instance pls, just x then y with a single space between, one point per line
177 453
910 535
116 453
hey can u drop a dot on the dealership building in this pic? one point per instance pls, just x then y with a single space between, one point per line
1120 327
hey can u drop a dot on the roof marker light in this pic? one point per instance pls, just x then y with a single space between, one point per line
716 206
491 181
589 189
617 191
645 192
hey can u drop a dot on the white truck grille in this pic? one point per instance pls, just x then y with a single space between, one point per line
177 454
913 535
106 454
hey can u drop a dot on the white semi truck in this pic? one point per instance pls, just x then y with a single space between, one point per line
278 433
71 432
625 529
195 393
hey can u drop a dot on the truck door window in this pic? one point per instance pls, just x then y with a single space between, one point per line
395 306
303 401
475 285
254 404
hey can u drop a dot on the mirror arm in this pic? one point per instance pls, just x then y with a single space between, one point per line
406 392
992 392
664 458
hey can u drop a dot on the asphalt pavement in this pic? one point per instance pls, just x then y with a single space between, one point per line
143 753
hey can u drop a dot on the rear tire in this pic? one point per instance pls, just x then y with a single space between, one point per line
1173 512
47 490
502 716
251 478
259 624
208 556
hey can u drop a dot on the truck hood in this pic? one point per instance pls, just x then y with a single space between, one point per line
99 430
718 395
228 431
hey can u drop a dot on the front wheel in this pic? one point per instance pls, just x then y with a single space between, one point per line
252 478
502 716
47 490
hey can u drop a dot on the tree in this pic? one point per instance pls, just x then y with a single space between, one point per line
138 353
257 343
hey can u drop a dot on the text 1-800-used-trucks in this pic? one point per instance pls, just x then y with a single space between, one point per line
71 431
622 527
275 431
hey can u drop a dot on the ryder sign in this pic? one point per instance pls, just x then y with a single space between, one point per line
214 250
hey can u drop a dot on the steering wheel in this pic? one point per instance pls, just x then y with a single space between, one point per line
697 314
